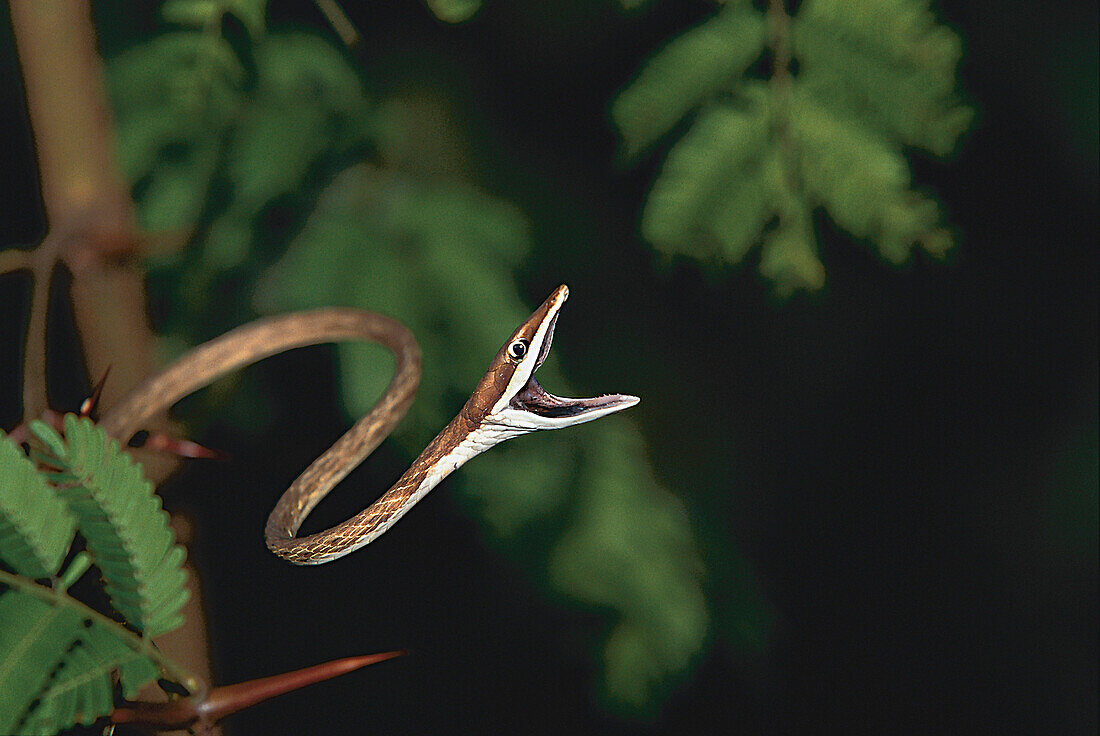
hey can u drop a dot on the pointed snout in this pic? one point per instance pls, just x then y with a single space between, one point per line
553 302
541 319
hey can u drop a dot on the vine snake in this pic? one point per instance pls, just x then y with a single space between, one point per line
507 402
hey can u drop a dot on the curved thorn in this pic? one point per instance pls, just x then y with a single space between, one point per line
183 448
89 404
223 701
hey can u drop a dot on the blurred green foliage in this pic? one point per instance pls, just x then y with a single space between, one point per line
271 157
792 114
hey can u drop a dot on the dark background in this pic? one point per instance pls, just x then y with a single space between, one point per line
908 459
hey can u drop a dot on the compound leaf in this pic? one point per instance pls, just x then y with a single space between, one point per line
694 66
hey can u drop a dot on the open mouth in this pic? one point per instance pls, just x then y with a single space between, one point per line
537 400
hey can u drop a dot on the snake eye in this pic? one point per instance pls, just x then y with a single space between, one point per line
517 349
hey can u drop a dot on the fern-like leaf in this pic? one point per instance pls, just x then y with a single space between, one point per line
862 180
57 666
871 76
36 527
123 522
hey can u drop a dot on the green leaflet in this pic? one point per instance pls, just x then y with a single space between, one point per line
439 257
693 67
630 548
788 256
34 637
122 520
206 13
454 11
706 183
81 689
56 666
36 528
871 76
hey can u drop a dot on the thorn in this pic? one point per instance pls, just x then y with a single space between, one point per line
20 433
89 404
229 699
183 448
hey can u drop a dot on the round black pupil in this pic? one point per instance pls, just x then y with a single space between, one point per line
518 349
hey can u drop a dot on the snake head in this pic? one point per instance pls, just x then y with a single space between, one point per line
509 398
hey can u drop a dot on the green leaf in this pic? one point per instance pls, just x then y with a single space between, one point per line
630 548
175 196
453 11
440 258
690 69
308 105
789 255
194 76
36 527
174 98
308 100
81 690
126 529
741 209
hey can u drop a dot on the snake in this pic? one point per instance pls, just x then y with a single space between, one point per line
507 402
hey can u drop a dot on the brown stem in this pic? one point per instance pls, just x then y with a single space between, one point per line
68 112
35 401
779 41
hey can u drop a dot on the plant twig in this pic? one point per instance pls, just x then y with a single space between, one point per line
339 21
14 260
